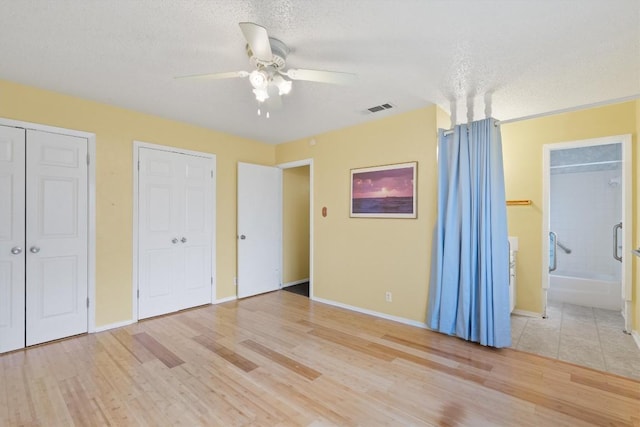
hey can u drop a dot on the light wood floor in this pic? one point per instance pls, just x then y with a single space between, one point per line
281 359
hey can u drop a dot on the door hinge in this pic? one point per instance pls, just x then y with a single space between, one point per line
138 294
88 159
87 302
212 174
138 164
211 280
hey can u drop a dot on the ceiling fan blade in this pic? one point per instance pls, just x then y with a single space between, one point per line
321 76
258 40
216 76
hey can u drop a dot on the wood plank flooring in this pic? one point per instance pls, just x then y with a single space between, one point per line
280 359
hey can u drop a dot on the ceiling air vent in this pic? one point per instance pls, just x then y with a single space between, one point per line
377 108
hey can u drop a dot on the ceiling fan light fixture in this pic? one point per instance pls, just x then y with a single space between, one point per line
261 94
284 85
259 79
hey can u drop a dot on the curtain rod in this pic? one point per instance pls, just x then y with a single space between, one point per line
496 124
563 110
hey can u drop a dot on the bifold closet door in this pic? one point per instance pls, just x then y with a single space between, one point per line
56 236
43 237
175 204
12 248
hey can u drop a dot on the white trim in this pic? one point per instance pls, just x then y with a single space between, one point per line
134 279
295 164
113 325
373 313
152 146
46 128
627 199
91 208
91 230
225 299
525 313
636 337
295 282
572 109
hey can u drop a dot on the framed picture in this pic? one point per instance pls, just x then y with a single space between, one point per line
384 191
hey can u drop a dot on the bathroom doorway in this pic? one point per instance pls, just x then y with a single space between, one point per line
586 263
587 203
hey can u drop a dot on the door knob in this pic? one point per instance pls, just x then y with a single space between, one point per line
16 250
242 237
183 240
174 240
34 249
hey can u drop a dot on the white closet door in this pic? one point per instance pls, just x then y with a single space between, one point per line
159 226
175 226
56 237
259 229
12 254
196 237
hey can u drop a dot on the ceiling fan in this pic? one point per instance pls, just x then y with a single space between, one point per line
269 79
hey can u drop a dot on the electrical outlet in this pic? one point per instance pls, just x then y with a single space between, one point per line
387 296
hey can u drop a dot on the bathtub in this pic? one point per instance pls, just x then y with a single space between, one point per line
598 291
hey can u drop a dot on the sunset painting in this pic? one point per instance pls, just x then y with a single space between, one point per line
384 191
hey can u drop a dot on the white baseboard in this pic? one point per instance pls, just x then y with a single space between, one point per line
636 337
227 299
372 313
525 313
295 282
113 326
130 322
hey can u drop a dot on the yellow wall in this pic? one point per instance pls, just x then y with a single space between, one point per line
356 260
522 150
295 224
636 220
115 130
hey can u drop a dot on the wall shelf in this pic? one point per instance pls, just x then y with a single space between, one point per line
519 202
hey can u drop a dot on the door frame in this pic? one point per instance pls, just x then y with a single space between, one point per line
135 282
295 164
627 214
91 204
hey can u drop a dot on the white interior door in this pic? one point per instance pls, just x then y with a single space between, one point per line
259 229
197 231
159 233
56 236
175 225
12 254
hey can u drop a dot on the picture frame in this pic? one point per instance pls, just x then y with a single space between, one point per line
387 191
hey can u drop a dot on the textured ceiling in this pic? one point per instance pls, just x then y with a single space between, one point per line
520 57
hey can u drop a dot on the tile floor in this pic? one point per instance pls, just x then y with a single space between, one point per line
582 335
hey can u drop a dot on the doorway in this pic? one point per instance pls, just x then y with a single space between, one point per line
296 227
587 287
587 224
295 230
261 253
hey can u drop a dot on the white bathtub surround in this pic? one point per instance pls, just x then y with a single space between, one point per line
598 291
585 336
585 205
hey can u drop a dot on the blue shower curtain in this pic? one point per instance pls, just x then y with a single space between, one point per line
469 289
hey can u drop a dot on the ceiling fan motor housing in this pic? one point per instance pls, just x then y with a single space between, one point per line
279 51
